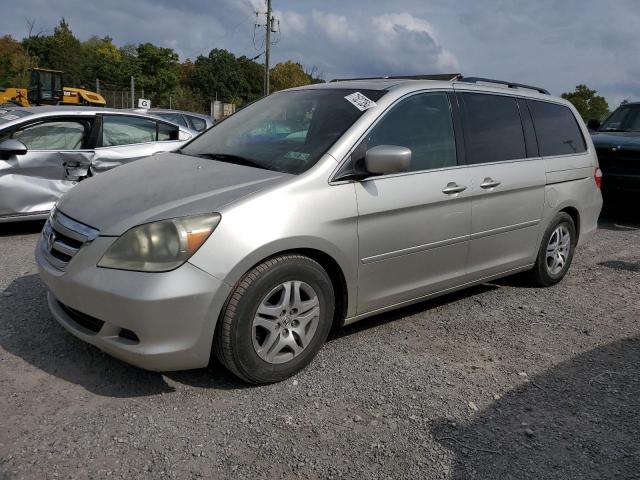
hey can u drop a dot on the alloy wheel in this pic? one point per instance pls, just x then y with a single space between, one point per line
558 249
285 322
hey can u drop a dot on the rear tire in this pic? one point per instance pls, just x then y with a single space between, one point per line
556 251
276 319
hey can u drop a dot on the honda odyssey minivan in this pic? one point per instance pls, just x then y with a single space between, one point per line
317 207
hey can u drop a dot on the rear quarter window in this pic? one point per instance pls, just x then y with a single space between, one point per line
557 129
197 124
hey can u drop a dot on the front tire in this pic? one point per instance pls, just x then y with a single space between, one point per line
275 320
556 251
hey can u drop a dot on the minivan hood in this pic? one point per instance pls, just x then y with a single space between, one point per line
162 186
630 140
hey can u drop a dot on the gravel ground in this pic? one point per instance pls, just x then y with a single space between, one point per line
499 381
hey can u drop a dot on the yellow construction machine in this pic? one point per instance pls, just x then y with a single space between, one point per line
45 88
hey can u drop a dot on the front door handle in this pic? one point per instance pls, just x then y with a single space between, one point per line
489 183
453 187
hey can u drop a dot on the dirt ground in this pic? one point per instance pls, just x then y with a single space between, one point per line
499 381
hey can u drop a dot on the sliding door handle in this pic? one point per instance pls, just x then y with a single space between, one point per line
489 183
453 187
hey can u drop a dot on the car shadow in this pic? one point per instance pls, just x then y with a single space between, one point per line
29 332
578 420
21 228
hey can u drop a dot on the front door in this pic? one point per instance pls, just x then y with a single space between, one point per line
57 158
413 227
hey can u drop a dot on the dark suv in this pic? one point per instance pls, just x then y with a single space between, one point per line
617 143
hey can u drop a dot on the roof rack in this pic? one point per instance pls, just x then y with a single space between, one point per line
501 82
438 76
449 77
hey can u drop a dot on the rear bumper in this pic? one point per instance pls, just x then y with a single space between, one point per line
172 314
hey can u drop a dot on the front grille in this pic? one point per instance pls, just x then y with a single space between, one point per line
85 321
63 237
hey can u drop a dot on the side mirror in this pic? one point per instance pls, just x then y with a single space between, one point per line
593 124
385 159
12 147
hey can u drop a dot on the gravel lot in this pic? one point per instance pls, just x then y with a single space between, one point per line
499 381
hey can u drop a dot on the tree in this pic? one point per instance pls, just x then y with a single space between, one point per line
288 74
589 105
65 54
103 60
14 63
223 76
158 72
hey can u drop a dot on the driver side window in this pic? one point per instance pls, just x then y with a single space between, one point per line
55 135
422 123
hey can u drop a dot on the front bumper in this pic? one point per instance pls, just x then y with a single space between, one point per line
172 314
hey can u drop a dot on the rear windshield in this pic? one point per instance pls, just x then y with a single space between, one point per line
8 115
287 132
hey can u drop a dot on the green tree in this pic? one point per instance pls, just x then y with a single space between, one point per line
288 74
14 63
589 105
103 60
219 75
158 72
65 54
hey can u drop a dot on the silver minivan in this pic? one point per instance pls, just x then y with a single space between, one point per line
317 207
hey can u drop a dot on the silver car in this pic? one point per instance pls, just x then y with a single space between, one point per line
45 151
254 239
194 121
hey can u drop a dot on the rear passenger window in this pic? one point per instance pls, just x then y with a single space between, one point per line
124 130
557 129
423 124
492 126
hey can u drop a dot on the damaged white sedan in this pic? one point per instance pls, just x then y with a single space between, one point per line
45 151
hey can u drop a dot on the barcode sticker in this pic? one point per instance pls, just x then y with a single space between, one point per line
360 101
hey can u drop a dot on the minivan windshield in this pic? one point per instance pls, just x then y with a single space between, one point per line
625 119
287 131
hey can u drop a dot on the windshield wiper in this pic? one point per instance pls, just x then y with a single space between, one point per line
614 130
237 159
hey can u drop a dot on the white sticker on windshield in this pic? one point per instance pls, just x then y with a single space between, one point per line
9 117
360 101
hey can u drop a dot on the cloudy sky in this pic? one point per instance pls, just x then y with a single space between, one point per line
552 43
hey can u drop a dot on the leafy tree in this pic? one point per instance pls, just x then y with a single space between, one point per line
14 63
288 74
589 105
223 76
103 60
65 54
158 71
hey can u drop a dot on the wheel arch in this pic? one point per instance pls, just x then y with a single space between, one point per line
575 216
341 274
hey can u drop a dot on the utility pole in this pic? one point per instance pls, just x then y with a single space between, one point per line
267 43
97 85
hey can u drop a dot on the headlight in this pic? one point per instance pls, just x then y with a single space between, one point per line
160 246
